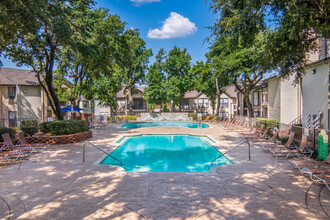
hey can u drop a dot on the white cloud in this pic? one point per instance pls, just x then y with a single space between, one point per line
173 27
139 2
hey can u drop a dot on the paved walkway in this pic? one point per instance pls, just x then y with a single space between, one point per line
55 184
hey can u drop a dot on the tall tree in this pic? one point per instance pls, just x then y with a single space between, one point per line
177 67
244 66
32 33
209 82
295 27
155 93
135 58
95 51
105 89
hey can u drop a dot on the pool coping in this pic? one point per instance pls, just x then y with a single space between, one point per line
207 123
121 171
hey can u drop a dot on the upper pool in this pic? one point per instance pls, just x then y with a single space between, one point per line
165 124
166 153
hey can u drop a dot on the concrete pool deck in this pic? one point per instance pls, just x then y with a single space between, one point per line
55 184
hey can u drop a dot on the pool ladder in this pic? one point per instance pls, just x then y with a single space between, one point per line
243 142
97 147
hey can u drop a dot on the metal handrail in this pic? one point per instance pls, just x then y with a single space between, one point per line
245 141
97 147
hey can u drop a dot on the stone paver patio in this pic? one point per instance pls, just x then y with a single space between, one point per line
55 184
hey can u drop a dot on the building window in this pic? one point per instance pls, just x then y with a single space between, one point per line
63 103
224 103
256 98
223 114
12 119
256 114
11 94
203 103
138 104
185 104
103 105
85 103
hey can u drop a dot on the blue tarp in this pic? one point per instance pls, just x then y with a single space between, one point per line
68 109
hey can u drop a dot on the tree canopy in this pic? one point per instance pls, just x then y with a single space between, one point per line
293 26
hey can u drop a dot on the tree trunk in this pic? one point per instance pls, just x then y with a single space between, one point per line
130 100
49 83
248 105
218 96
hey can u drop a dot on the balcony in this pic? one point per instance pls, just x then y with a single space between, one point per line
188 108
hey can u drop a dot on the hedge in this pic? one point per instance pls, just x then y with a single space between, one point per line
270 123
64 127
10 131
29 127
122 118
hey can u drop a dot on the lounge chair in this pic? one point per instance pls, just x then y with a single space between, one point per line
241 127
323 179
272 139
207 118
8 155
269 147
308 163
213 119
22 141
301 151
315 171
247 131
9 145
234 125
253 135
262 136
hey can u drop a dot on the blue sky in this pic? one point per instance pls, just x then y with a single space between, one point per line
163 23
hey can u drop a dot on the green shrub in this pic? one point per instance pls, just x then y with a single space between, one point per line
166 109
29 127
64 127
10 131
211 117
270 123
122 118
44 127
193 115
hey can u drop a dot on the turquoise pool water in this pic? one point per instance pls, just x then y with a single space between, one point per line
165 124
166 153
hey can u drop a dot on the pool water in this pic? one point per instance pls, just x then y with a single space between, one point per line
166 153
165 124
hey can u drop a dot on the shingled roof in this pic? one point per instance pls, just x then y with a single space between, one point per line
192 94
139 94
230 91
11 77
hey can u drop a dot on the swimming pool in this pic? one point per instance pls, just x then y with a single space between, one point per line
166 153
165 124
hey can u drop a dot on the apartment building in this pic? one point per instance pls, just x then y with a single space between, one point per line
21 97
193 101
316 85
258 98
